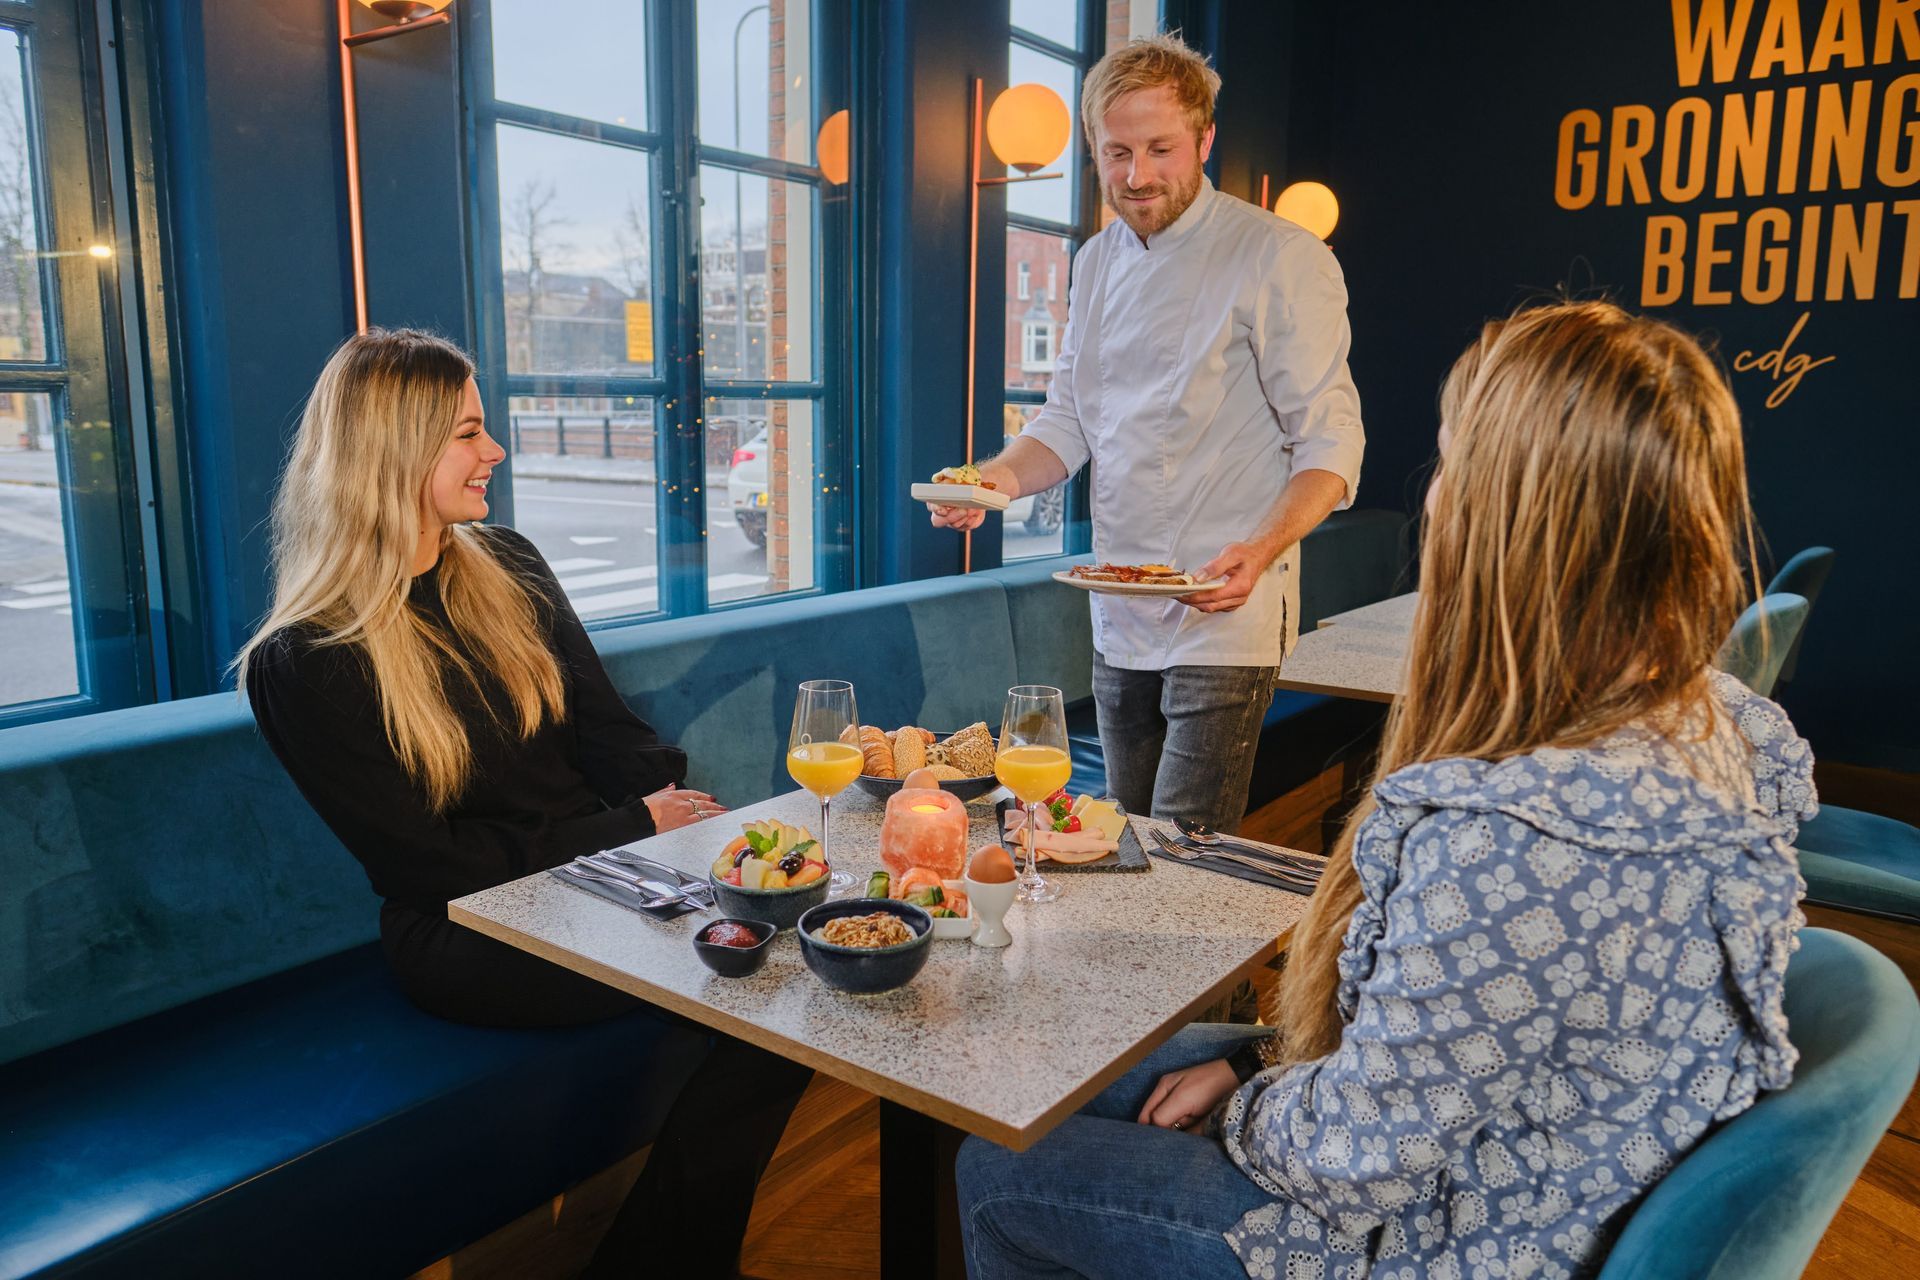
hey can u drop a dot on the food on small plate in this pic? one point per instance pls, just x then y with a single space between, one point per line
990 864
729 934
1158 575
875 930
1073 829
876 753
965 473
770 854
880 885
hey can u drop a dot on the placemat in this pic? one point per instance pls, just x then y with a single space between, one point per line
1215 864
622 898
1131 856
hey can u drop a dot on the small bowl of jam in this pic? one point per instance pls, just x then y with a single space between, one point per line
734 948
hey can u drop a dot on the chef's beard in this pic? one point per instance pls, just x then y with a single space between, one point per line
1150 222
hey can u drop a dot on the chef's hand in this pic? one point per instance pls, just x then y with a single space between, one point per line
959 519
674 807
1241 564
1183 1099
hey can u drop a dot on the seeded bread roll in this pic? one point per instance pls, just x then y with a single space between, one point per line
971 751
945 772
909 750
877 754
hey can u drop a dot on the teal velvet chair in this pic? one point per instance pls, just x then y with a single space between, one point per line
1761 640
1752 1201
1803 576
1861 862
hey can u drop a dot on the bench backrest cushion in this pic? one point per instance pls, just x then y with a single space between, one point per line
1052 629
152 856
937 653
1355 557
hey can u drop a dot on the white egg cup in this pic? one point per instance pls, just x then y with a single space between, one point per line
990 903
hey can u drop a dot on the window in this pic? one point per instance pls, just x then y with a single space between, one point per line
678 438
1053 44
1036 346
79 515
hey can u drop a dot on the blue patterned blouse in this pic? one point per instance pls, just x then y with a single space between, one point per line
1567 965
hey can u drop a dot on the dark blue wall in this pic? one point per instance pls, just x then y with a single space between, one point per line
1437 127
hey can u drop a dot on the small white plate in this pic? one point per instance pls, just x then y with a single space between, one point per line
969 497
1137 588
947 928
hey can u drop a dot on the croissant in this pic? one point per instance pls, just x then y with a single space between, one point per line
878 754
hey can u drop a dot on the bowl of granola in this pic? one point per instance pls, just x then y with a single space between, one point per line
865 945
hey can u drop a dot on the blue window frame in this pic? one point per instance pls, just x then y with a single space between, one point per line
88 463
660 284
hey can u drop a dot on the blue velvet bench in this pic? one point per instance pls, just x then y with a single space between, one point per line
204 1068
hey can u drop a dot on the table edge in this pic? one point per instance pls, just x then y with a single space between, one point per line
1009 1136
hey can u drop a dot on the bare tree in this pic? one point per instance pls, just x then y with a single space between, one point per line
22 332
529 246
633 240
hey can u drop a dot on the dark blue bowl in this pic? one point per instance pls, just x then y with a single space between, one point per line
865 970
735 962
782 907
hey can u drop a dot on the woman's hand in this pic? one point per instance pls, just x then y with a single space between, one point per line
673 807
1183 1099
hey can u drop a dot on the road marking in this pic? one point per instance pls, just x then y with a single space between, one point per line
41 588
643 597
578 562
593 542
649 597
37 602
579 502
645 573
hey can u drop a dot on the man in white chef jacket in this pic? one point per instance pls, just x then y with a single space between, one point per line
1203 373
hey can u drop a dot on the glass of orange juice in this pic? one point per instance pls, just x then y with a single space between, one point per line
1033 763
823 753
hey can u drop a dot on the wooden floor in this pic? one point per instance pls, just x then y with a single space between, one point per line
817 1214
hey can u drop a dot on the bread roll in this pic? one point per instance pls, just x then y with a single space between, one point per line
909 751
877 754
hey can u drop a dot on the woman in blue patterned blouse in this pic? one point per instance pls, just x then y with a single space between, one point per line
1549 950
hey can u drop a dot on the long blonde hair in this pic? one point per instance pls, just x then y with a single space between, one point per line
1580 565
346 524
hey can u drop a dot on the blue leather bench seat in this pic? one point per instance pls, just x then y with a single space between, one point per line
311 1124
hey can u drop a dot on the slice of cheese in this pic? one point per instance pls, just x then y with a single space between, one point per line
1099 817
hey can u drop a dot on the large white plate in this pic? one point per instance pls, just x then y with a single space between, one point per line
971 497
1137 588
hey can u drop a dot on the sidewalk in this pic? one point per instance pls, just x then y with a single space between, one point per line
29 466
545 466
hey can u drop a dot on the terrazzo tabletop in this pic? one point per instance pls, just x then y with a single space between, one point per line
1364 660
1394 614
1001 1043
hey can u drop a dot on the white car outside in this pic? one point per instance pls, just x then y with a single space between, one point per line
747 488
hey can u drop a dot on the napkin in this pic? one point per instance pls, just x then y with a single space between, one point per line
621 897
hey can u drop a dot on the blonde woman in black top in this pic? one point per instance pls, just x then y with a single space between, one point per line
427 685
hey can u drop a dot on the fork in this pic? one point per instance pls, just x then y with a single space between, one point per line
1287 880
646 900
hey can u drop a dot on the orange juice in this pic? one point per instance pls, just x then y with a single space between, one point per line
1033 773
824 768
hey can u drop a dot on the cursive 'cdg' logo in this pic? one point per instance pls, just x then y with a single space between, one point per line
1787 370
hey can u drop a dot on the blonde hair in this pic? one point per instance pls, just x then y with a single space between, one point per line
1147 62
346 524
1579 568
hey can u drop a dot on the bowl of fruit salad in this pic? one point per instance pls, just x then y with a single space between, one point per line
772 872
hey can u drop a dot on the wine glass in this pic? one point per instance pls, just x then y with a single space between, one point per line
823 753
1033 764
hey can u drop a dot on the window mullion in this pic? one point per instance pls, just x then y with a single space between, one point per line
682 443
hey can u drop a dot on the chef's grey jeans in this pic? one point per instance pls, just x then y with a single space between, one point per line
1179 742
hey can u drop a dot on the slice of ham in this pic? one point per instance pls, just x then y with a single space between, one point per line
1060 846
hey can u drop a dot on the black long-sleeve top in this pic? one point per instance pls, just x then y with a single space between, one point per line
574 787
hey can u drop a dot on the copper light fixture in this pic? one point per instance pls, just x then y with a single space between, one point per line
1027 128
408 15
